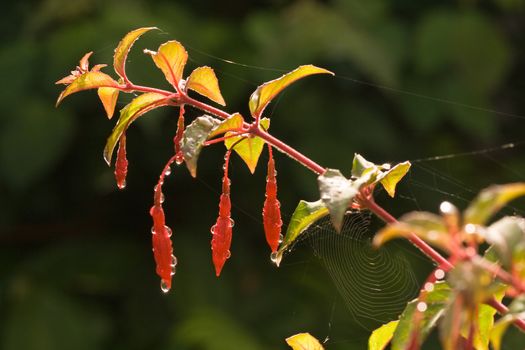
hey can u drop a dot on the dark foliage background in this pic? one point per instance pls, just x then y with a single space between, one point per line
415 79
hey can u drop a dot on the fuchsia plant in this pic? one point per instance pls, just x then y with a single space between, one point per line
462 294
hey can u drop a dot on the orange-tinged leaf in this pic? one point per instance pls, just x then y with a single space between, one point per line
170 59
89 80
140 105
304 341
248 148
267 91
122 50
84 62
234 122
108 96
204 81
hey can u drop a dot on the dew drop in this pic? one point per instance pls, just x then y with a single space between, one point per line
421 306
168 230
212 229
274 257
470 228
179 158
167 172
439 274
164 286
173 260
121 185
161 197
228 254
281 237
232 223
429 287
153 230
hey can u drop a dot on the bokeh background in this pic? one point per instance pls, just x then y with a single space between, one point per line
415 79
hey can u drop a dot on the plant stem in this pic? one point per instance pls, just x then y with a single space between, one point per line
368 202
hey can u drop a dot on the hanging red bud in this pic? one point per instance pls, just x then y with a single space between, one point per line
121 164
272 208
222 230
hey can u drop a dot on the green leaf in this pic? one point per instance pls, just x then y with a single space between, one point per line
305 214
204 81
485 323
304 341
390 179
337 193
234 122
193 140
360 165
267 91
491 200
122 50
380 337
516 310
170 59
507 237
436 302
137 107
88 80
427 226
248 148
108 96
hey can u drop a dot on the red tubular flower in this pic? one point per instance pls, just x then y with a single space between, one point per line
272 208
222 230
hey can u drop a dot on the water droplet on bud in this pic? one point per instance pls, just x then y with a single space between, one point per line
274 257
168 230
212 229
173 260
121 185
281 237
164 286
228 254
167 172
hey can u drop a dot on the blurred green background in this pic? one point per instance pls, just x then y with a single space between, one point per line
415 79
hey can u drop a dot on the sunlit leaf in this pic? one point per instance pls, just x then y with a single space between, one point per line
337 193
516 310
380 337
360 165
122 50
390 178
304 341
267 91
485 323
234 122
435 302
140 105
305 214
88 80
193 140
427 226
507 237
108 96
491 200
249 148
170 59
204 81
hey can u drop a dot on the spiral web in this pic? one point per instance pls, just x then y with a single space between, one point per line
374 284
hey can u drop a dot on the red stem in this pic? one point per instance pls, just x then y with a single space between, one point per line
318 169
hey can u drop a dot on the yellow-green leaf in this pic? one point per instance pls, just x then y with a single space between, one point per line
337 193
267 91
88 80
248 148
193 140
234 122
108 96
305 214
491 200
304 341
140 105
390 178
122 50
427 226
380 337
204 81
170 59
